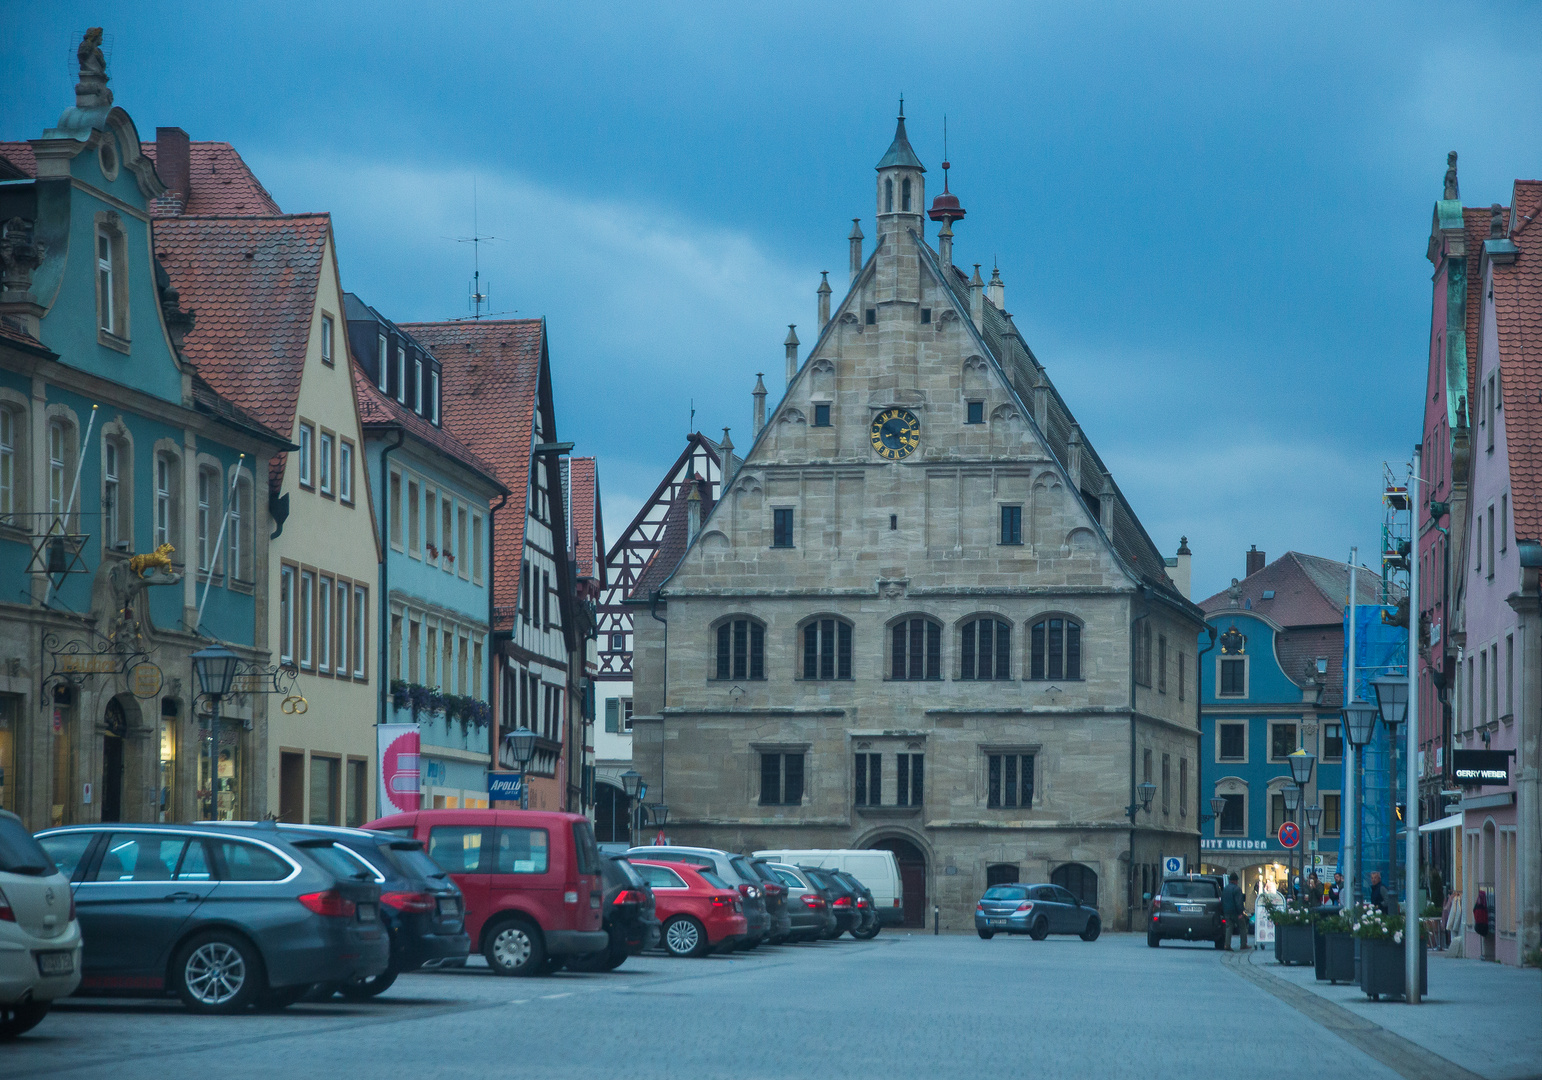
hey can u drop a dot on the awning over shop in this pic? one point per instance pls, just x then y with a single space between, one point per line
1452 822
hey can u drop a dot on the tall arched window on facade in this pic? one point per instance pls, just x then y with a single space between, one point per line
827 649
905 194
1055 649
741 649
985 650
888 196
917 650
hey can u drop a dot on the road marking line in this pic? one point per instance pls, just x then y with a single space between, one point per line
520 1001
1403 1056
554 997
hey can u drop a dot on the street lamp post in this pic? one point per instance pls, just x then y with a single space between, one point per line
522 746
631 781
1314 819
215 667
1359 725
1394 696
1301 762
1392 700
1292 796
660 815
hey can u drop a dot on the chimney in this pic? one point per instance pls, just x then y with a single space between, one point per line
977 299
856 247
174 165
945 246
1255 560
792 352
727 447
1178 571
824 299
693 511
997 290
759 394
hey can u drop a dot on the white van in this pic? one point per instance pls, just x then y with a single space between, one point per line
874 868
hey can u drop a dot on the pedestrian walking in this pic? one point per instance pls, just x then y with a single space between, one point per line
1233 908
1378 894
1454 918
1336 891
1313 889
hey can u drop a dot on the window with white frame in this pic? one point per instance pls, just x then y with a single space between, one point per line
433 396
463 545
325 447
58 466
286 606
476 548
414 531
165 499
112 492
326 340
238 545
401 373
106 281
208 516
382 370
307 620
345 470
344 626
324 587
417 385
360 630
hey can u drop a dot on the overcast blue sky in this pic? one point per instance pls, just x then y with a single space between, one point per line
1211 219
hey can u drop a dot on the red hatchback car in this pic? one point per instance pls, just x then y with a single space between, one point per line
531 881
699 910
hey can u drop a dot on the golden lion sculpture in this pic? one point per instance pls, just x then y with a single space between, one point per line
160 559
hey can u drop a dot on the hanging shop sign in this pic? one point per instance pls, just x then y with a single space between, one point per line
253 678
1481 768
80 660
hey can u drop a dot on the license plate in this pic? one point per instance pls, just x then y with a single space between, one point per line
1191 909
55 963
1001 922
367 913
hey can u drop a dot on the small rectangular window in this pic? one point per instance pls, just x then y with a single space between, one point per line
868 789
926 315
345 471
1009 781
417 386
307 463
976 412
822 414
1332 742
1011 524
414 506
394 514
326 790
1233 678
326 340
382 367
781 532
433 395
344 625
1234 742
104 280
307 619
360 630
1332 813
286 614
401 373
325 451
324 624
781 779
1233 820
908 775
1282 741
476 548
1161 663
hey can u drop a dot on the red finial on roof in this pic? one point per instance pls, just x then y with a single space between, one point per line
945 207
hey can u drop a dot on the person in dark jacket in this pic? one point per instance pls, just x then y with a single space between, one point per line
1378 894
1233 904
1336 891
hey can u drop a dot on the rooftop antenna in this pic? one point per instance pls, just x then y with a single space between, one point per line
692 426
477 296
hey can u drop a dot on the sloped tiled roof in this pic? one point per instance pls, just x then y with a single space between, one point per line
21 157
673 543
584 508
252 283
221 180
1308 591
377 410
1475 224
1518 321
492 375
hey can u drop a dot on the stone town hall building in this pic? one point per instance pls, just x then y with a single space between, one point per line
924 617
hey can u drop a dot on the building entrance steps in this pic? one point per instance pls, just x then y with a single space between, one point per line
1478 1022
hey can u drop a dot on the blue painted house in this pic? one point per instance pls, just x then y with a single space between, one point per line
1273 682
436 500
112 448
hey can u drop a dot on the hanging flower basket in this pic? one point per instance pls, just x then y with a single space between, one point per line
401 694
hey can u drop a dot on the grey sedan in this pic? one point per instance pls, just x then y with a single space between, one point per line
1035 910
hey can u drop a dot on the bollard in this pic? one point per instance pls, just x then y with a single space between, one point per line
936 912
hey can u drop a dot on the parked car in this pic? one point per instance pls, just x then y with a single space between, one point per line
720 863
40 943
530 879
842 901
420 907
1035 910
874 867
224 915
772 891
867 917
808 910
699 910
1188 907
630 916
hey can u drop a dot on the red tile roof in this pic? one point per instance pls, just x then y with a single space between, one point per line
1308 591
222 182
674 541
377 410
251 282
1475 221
584 506
1518 321
492 372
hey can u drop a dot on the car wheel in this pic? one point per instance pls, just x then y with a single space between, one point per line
684 936
515 947
870 933
1040 929
22 1017
217 972
1153 940
1094 928
616 956
986 934
363 989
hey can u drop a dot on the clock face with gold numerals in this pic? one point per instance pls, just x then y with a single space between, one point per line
896 433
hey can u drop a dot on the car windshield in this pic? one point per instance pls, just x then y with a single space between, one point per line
1190 890
742 865
628 871
20 853
1006 892
712 879
414 862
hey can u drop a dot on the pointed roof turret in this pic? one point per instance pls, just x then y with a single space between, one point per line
900 154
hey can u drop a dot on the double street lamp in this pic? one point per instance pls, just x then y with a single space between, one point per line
1392 701
1301 762
216 668
1359 726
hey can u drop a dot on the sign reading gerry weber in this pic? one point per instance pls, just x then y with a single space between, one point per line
1478 768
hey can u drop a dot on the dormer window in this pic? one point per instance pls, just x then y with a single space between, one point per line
381 370
888 196
433 396
905 194
417 385
401 373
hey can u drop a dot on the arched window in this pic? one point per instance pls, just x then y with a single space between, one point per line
1078 880
117 493
827 649
741 649
917 650
209 512
58 469
888 196
985 650
905 194
1001 874
1055 649
166 475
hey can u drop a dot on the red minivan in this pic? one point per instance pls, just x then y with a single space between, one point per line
531 881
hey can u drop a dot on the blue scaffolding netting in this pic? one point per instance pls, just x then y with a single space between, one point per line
1380 650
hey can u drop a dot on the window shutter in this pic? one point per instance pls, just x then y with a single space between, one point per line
613 714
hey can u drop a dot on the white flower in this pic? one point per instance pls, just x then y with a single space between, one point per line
1398 937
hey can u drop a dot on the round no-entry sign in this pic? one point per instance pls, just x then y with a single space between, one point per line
1290 834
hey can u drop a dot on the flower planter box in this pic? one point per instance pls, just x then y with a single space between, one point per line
1381 969
1336 957
1293 944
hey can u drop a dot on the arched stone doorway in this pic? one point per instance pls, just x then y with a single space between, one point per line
611 814
1078 880
912 871
115 725
1002 874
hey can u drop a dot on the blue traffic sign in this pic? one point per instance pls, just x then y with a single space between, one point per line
504 786
1290 834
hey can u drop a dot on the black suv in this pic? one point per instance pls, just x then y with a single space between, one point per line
840 897
629 916
1188 907
420 907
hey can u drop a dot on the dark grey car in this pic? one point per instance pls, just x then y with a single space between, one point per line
224 915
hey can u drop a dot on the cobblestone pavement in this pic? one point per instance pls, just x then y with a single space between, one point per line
899 1006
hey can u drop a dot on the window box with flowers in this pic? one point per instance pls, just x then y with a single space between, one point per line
1381 963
